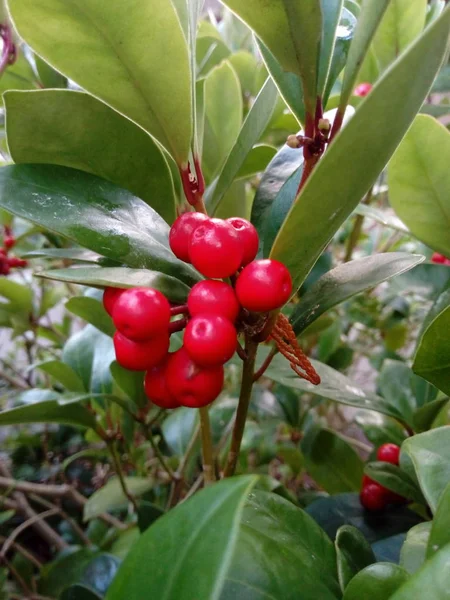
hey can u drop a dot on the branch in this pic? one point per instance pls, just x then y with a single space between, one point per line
18 530
207 449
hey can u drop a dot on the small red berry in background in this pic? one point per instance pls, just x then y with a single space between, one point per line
141 313
440 259
211 297
190 384
210 340
249 238
216 249
362 89
155 386
9 241
181 233
140 356
389 453
373 496
264 285
110 296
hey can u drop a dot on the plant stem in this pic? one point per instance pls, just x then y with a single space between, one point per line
120 475
263 368
207 448
242 409
357 228
160 457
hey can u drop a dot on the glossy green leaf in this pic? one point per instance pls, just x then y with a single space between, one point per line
19 295
64 374
353 162
394 479
383 217
75 254
92 311
79 592
331 12
432 357
289 84
346 281
430 456
130 382
353 553
402 23
222 96
341 509
178 428
368 21
427 280
211 51
48 77
246 65
424 416
413 552
419 181
332 462
66 569
440 526
292 32
74 129
432 581
256 161
380 429
46 409
252 129
376 582
92 212
111 497
123 57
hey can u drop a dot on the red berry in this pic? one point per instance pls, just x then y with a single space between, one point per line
373 497
9 241
190 384
366 480
393 498
141 313
215 249
16 263
210 340
440 259
140 356
181 233
155 386
249 238
264 285
363 89
213 298
110 296
389 453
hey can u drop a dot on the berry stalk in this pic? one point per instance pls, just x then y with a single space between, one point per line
207 449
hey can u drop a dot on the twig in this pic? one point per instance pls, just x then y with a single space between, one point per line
194 488
25 553
161 458
17 576
263 368
18 530
118 468
13 381
357 228
207 449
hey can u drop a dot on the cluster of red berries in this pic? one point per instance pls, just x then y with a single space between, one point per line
193 376
440 259
373 495
8 262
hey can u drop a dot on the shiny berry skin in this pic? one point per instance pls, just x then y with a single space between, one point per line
181 233
17 263
140 356
440 259
141 313
155 386
366 480
363 89
389 453
373 497
191 385
216 249
110 296
9 241
264 285
249 238
210 340
211 297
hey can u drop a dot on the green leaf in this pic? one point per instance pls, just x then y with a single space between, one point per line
382 217
46 409
222 96
394 479
262 547
432 581
353 553
368 21
432 357
65 570
341 509
130 382
402 23
353 162
79 592
376 582
76 254
256 161
92 212
331 13
48 77
424 416
73 129
63 374
346 281
292 31
379 429
419 182
20 296
111 496
245 64
136 61
178 428
430 456
413 552
6 515
331 461
252 129
92 311
440 526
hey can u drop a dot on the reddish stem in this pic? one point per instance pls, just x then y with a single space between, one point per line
177 325
266 364
337 124
182 309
